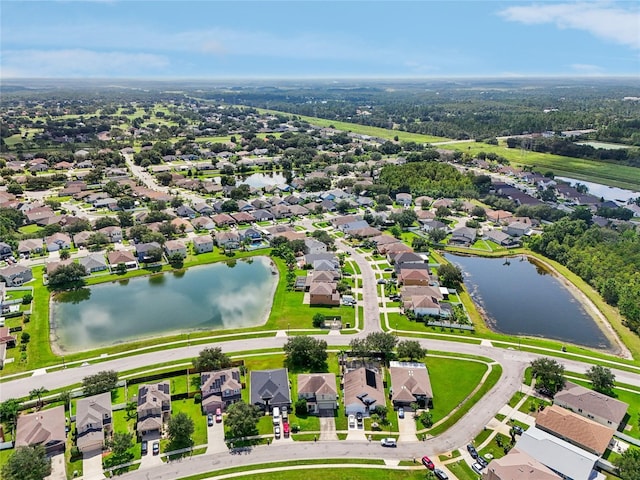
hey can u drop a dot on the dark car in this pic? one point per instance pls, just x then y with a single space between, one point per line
144 448
426 461
472 451
482 461
518 430
210 419
359 417
401 412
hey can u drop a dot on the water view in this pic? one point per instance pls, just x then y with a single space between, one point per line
218 296
520 298
259 180
604 191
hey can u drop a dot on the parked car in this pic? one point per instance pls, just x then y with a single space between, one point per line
144 448
210 419
359 418
440 474
426 461
388 442
401 412
482 461
156 447
477 468
218 415
276 431
472 451
285 413
382 281
352 421
518 430
285 429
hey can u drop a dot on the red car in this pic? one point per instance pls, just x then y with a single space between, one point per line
426 461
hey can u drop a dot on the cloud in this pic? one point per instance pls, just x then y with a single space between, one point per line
587 69
604 20
78 62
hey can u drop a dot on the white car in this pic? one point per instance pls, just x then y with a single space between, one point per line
477 468
388 442
352 421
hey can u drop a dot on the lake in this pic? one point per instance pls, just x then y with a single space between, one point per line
604 191
522 298
225 295
259 180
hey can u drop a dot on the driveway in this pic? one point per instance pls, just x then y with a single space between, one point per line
328 428
150 460
58 469
407 427
215 438
92 465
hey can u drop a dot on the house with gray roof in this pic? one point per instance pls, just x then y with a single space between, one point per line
154 407
203 244
15 275
591 404
94 262
463 236
94 421
44 427
270 388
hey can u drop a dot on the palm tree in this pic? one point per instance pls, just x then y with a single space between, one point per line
38 392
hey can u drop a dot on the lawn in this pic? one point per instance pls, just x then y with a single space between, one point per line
493 448
323 473
194 411
462 471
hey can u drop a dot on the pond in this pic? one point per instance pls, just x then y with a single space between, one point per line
259 180
521 298
604 191
234 294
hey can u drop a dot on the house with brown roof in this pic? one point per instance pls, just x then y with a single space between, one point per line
498 216
94 421
80 239
423 305
29 246
410 383
121 256
112 232
591 404
182 225
203 244
220 389
154 407
517 465
363 391
572 428
203 223
414 276
45 427
324 293
320 392
243 217
172 247
223 220
228 240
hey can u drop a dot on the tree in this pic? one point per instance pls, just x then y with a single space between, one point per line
242 419
450 275
180 430
382 343
176 260
602 379
628 464
411 349
120 443
301 407
14 188
125 218
38 392
549 374
306 353
426 418
65 254
27 463
27 299
9 412
436 235
153 255
101 382
318 320
359 347
69 277
105 222
97 240
210 359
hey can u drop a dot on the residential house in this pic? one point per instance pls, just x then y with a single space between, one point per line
81 239
501 238
243 217
44 427
154 407
413 276
29 246
403 199
15 275
320 392
187 212
575 429
363 391
517 465
94 421
203 208
591 404
408 259
517 229
94 262
203 223
410 383
324 293
38 214
262 215
563 458
52 266
270 388
250 235
182 225
223 220
432 224
142 250
57 241
125 257
6 340
498 216
203 244
5 251
172 247
393 248
313 246
113 233
220 389
463 236
228 240
423 305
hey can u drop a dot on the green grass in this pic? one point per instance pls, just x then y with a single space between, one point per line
194 411
338 474
462 471
515 399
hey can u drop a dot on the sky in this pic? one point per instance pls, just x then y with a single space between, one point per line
317 39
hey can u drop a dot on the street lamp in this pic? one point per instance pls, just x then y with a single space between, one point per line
288 329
